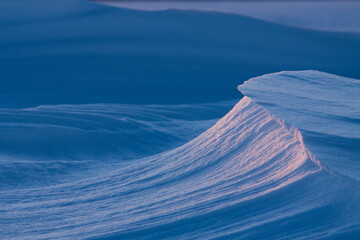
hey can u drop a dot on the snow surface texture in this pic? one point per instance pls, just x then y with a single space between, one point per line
76 52
324 107
57 143
249 176
320 15
119 171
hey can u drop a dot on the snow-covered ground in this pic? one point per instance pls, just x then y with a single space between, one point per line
77 52
250 176
324 107
322 15
122 124
53 144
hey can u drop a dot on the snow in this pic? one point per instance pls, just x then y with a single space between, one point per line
114 124
320 15
76 52
249 176
323 106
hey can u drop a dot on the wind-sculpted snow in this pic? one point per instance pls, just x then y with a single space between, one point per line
96 170
53 144
325 107
249 176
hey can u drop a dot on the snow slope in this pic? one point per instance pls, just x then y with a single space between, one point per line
320 15
59 143
77 162
76 52
324 107
250 176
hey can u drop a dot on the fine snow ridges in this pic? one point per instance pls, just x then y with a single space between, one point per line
250 176
247 154
323 106
54 144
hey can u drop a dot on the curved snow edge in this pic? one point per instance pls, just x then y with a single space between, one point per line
291 128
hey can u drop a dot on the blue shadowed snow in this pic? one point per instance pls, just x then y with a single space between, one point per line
70 52
55 144
339 16
324 107
83 157
249 176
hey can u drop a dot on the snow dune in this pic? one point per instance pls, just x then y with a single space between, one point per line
250 176
59 143
323 106
78 162
230 163
320 15
76 52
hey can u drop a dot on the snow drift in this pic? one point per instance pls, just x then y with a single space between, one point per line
321 15
283 163
250 176
323 106
76 52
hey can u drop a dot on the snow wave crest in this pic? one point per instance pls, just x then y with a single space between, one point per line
250 176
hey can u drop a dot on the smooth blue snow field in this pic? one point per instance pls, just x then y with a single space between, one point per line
72 51
342 16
